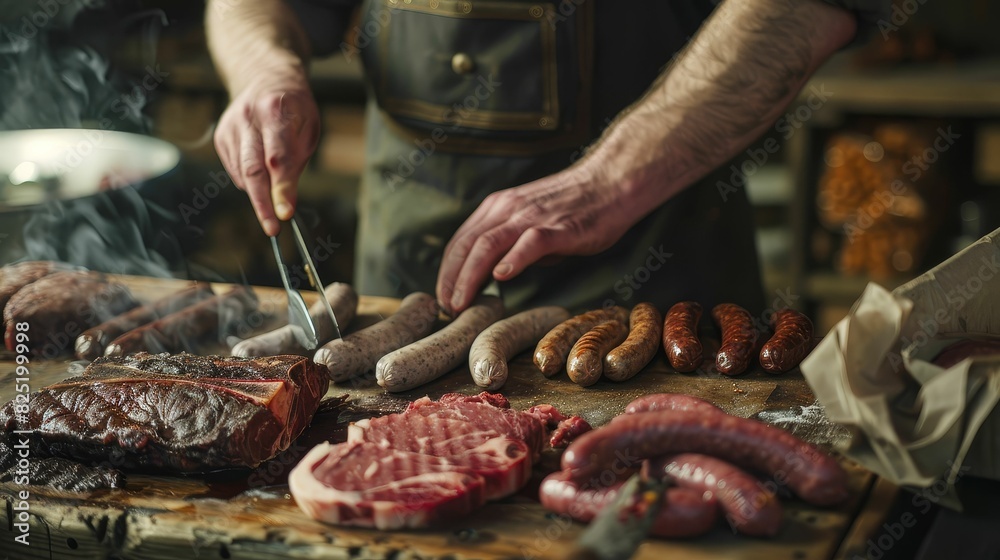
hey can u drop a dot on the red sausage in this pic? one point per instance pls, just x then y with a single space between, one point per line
812 474
669 401
750 507
680 336
739 338
792 340
685 513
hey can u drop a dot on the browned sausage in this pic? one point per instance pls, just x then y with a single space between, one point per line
792 340
91 343
645 329
685 513
586 358
552 349
739 338
680 336
206 321
812 474
670 401
750 508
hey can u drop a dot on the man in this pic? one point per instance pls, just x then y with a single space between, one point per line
479 112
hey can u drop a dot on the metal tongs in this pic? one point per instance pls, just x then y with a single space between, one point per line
303 327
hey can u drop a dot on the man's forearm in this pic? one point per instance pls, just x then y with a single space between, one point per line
740 71
250 39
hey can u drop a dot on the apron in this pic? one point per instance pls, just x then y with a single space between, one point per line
472 97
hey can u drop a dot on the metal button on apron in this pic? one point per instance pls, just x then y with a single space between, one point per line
462 63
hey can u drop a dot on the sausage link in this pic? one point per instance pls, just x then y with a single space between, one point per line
586 358
739 338
750 507
552 349
356 354
429 358
792 340
670 401
206 321
344 301
684 513
506 338
812 474
92 342
680 336
645 329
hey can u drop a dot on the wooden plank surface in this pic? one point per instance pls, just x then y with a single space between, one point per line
249 514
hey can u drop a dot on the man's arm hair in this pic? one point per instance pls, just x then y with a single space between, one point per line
746 64
248 39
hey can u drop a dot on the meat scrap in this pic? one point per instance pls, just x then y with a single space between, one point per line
434 461
174 413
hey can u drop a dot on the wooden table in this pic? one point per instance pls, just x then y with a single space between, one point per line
250 515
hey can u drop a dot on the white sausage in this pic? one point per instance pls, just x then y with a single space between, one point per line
430 358
507 338
344 301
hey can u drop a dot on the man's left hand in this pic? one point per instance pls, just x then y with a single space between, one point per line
574 212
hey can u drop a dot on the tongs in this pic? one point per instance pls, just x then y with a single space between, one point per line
303 327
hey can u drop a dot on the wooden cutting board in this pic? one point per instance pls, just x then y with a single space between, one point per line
249 514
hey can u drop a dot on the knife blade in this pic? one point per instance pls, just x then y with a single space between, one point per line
313 274
618 529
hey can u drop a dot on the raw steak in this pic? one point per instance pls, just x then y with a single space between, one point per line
172 412
60 306
436 460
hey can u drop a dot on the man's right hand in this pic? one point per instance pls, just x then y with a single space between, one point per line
264 139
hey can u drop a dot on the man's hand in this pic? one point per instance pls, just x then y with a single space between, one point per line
745 65
575 212
264 139
271 126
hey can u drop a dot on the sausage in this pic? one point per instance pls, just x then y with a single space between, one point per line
792 340
750 508
586 358
92 342
684 513
552 349
739 338
356 354
429 358
344 301
507 338
812 474
680 336
645 329
205 321
959 351
670 401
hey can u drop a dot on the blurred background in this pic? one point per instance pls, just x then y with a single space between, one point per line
888 163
